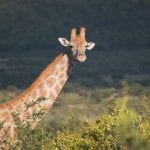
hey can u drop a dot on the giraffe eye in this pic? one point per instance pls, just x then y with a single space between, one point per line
71 46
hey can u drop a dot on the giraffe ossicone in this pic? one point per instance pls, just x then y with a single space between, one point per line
47 85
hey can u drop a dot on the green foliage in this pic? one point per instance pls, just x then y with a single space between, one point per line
27 137
1 125
119 126
32 139
122 129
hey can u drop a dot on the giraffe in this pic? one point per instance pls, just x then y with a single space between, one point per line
48 84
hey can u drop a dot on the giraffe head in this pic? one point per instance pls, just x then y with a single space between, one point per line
77 44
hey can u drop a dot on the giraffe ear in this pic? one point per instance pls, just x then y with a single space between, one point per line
90 45
64 41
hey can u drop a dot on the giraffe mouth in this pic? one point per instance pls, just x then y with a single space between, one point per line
81 57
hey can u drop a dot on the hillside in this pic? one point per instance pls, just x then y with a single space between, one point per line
120 29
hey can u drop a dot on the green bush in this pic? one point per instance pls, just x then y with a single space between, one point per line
28 138
122 129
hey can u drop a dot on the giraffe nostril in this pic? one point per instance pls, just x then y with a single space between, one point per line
81 53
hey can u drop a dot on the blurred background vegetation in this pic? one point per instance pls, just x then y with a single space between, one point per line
120 28
118 65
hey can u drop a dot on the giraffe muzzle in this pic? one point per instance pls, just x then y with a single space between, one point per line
81 57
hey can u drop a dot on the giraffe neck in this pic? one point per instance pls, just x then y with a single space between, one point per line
47 85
